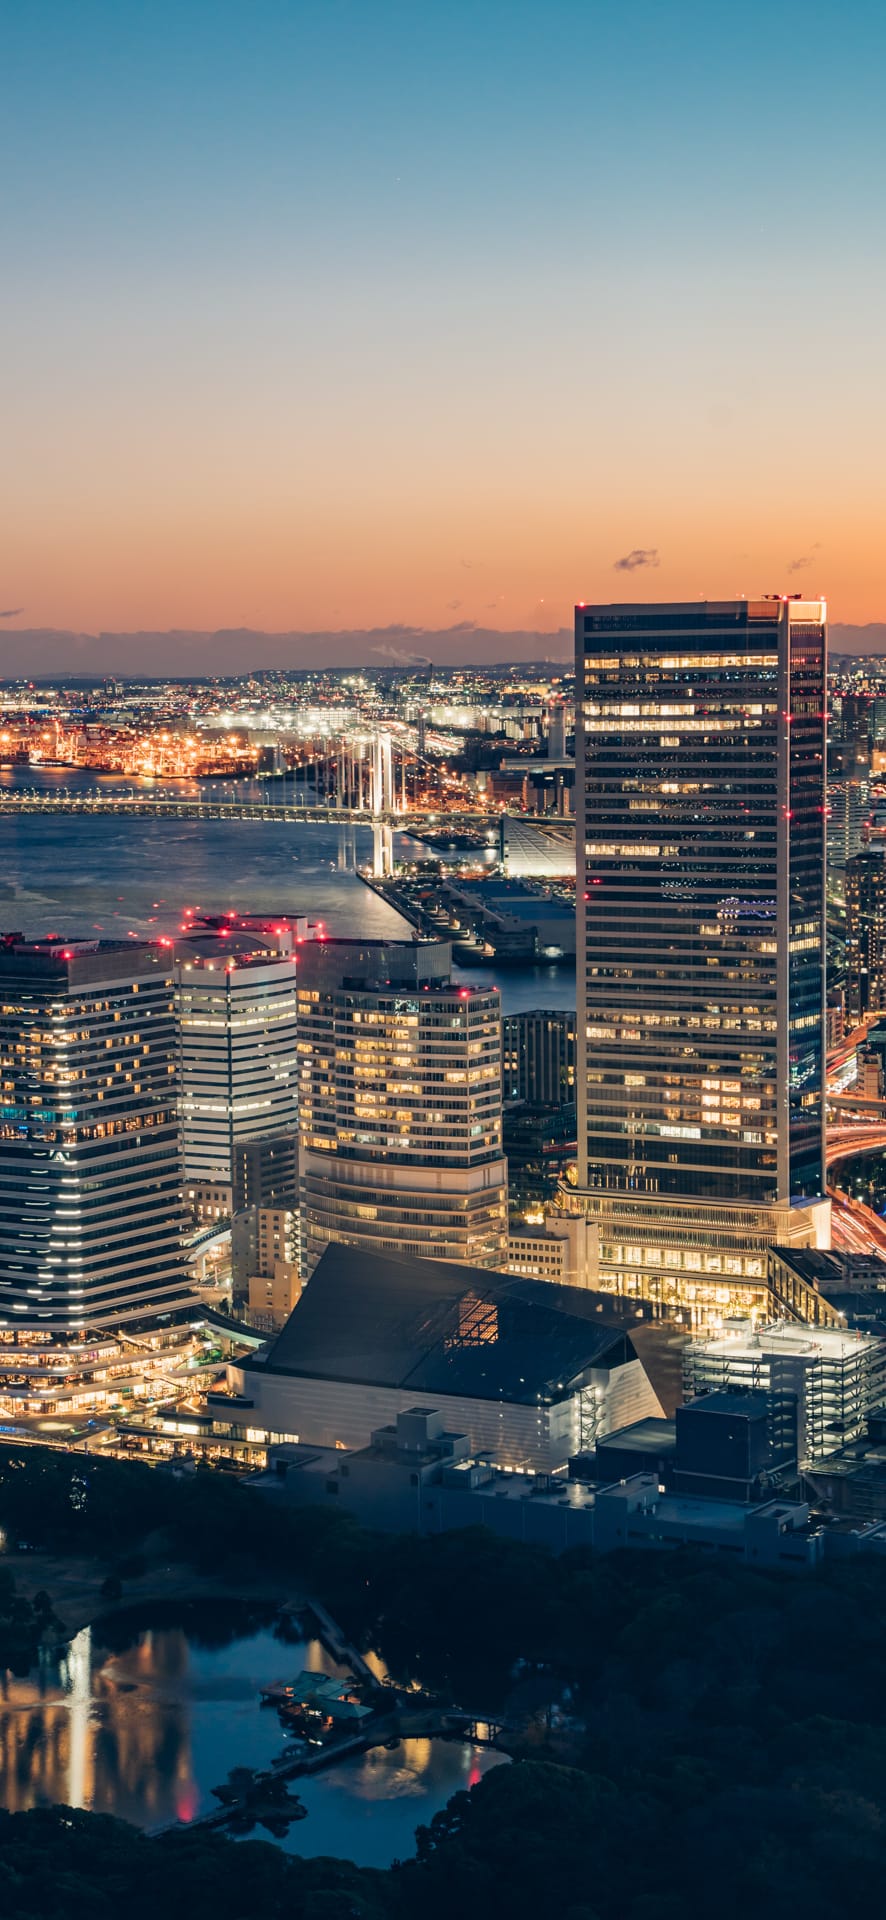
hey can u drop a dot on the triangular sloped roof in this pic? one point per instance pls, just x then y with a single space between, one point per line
431 1326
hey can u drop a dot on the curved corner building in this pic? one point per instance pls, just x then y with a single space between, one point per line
400 1104
701 832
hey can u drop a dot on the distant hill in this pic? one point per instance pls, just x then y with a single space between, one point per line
185 654
35 651
869 639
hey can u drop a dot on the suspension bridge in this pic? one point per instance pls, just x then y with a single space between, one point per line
177 806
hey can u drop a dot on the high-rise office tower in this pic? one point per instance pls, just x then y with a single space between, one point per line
856 717
399 1104
91 1219
849 810
701 942
237 1038
538 1057
556 730
865 889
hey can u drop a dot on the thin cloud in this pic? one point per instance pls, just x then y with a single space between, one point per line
401 659
805 559
9 613
638 557
796 566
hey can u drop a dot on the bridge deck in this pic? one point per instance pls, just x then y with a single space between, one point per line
176 807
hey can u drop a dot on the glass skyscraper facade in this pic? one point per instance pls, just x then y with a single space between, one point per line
701 796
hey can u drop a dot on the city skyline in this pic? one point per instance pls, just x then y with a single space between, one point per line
233 653
443 959
511 323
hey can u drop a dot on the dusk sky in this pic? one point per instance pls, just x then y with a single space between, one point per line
341 313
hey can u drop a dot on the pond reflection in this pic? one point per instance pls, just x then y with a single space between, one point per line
147 1730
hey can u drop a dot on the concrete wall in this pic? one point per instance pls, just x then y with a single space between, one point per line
338 1413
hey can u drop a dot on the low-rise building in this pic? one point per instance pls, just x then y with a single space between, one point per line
833 1289
208 1201
739 1445
273 1281
838 1377
534 1371
775 1533
414 1476
562 1250
265 1263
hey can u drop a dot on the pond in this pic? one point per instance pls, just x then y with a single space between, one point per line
144 1730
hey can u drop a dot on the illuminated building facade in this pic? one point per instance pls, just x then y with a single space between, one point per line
838 1377
399 1104
237 1037
865 891
701 943
91 1219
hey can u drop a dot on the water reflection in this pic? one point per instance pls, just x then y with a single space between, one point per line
79 1673
146 1730
368 1808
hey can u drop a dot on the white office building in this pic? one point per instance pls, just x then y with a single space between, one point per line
237 1049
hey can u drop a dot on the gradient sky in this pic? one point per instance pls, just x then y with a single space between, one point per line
332 313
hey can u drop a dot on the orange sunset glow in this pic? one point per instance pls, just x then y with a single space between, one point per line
453 361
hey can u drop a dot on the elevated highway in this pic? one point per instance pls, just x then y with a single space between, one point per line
844 1142
855 1227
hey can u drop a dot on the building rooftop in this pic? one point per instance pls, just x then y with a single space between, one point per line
502 1485
813 1263
78 960
830 1343
515 898
206 954
434 1327
370 966
721 1400
643 1436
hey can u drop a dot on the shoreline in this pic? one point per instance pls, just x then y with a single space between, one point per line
75 1586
